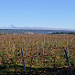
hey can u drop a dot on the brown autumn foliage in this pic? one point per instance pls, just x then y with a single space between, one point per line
40 50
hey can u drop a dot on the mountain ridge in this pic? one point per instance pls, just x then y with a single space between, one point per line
36 28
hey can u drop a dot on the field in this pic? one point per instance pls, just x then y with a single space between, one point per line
43 54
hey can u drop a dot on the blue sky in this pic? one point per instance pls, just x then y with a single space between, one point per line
38 13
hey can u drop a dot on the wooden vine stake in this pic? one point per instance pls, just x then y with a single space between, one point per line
25 45
67 49
43 48
37 50
68 61
9 46
44 40
23 61
13 47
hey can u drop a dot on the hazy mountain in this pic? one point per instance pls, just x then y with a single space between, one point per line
35 28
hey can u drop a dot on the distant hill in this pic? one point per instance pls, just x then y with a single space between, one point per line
36 28
35 31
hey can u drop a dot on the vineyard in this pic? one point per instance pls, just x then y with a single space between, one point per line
43 54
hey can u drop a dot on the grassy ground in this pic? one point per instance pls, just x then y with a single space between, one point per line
38 71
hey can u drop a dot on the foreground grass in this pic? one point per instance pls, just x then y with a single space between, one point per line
18 70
